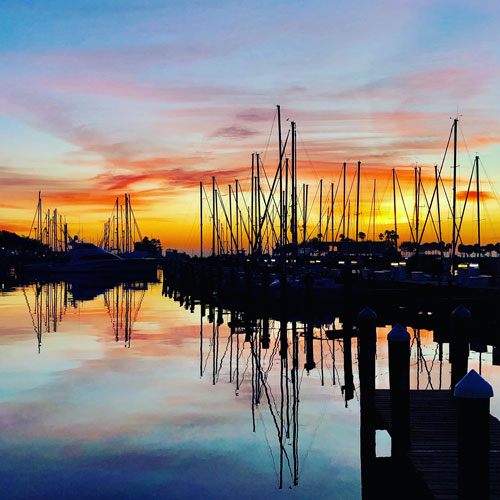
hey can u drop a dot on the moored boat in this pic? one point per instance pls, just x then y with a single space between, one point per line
89 258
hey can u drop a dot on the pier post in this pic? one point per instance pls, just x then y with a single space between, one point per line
347 286
266 281
266 338
347 328
248 282
308 282
473 395
367 347
219 278
459 346
399 380
310 364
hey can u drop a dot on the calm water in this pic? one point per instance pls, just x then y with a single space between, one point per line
123 393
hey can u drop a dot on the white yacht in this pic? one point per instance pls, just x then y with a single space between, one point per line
89 258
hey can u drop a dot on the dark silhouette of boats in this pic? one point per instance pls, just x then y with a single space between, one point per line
89 258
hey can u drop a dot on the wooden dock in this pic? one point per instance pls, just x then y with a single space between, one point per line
433 433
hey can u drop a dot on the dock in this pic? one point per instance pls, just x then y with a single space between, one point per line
433 452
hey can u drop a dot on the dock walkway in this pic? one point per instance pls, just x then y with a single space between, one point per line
433 435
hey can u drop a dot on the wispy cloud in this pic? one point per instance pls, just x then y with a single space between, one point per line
234 132
472 196
255 115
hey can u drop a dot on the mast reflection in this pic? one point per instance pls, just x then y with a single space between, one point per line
47 304
123 303
246 351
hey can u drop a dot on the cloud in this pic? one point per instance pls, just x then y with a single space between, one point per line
483 195
50 115
15 227
255 115
424 86
234 132
125 88
13 207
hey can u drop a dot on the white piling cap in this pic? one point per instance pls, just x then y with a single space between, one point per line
473 386
367 313
461 312
398 334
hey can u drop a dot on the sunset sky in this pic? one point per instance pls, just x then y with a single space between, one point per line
102 98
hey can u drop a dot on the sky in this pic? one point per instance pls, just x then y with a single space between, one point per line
98 99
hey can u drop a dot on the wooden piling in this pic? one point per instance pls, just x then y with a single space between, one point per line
473 395
367 346
459 345
399 380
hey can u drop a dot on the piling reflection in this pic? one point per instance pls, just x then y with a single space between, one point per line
273 354
269 358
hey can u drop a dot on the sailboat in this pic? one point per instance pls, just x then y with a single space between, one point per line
88 258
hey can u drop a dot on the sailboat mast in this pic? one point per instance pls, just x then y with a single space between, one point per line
343 209
201 219
294 190
280 146
285 204
237 218
416 204
419 186
436 175
454 243
394 202
122 246
357 205
54 229
125 241
478 203
213 215
332 209
39 215
320 234
117 223
252 203
258 212
348 217
303 213
231 218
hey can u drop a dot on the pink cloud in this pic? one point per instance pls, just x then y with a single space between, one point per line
234 132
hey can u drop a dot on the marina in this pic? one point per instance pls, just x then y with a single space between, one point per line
294 308
249 250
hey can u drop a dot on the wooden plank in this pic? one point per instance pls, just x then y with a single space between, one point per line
433 435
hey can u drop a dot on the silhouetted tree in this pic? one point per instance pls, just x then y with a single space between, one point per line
391 237
152 246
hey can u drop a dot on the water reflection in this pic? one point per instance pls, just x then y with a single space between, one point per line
272 357
47 304
313 345
207 400
123 303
